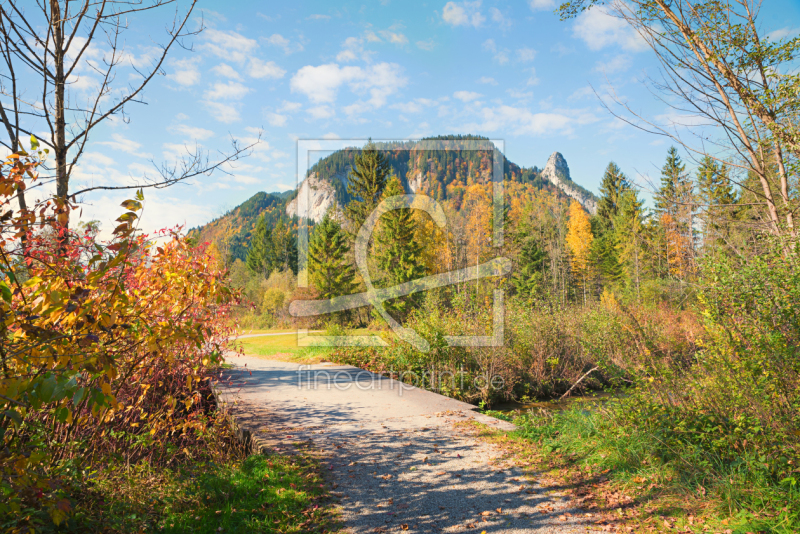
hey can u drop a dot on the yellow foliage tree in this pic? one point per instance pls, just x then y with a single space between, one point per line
579 241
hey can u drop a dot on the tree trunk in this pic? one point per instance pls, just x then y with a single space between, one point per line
60 126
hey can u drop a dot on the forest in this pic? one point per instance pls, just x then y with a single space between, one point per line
671 311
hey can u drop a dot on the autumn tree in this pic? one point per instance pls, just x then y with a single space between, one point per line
46 47
579 240
737 86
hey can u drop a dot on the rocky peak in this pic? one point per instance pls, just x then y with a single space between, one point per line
557 172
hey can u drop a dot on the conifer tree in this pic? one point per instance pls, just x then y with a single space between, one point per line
718 198
365 185
261 256
329 268
674 184
397 251
631 234
284 246
612 188
675 209
528 276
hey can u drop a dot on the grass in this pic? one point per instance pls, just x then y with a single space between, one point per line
259 493
284 347
631 479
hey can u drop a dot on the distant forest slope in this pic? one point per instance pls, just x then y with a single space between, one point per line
443 168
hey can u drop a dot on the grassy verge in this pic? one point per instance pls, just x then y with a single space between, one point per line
639 480
284 347
259 493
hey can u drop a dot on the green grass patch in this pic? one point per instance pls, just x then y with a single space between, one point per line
284 347
256 494
646 472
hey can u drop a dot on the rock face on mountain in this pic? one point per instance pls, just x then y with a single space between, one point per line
557 172
313 200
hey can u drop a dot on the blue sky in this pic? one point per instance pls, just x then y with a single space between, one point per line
387 70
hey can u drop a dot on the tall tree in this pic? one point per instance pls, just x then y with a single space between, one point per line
579 240
718 198
329 268
284 245
397 251
261 256
48 45
365 185
612 188
630 231
718 69
674 203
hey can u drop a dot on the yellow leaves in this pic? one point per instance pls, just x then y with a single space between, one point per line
579 238
106 388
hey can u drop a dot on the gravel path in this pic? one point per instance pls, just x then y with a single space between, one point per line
396 462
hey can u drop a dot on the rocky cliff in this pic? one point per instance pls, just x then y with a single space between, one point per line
314 197
557 172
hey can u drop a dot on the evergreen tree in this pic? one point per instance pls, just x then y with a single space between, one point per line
718 197
674 206
284 245
365 185
397 251
529 273
631 235
612 188
674 185
329 269
261 256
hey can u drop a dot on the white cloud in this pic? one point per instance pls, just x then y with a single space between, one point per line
319 17
191 132
227 91
520 95
532 80
463 13
290 106
222 112
540 5
598 30
619 63
331 135
783 33
321 112
467 96
186 72
425 45
521 121
415 106
280 41
123 144
501 56
487 80
260 69
276 119
228 45
321 83
394 37
498 17
526 55
226 71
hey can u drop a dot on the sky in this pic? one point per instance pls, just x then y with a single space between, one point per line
282 71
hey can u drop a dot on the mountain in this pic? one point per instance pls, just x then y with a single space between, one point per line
443 167
557 173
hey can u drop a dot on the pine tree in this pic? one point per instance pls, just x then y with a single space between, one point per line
261 256
718 197
284 246
579 240
674 203
630 231
365 185
612 188
397 251
329 269
674 184
528 276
